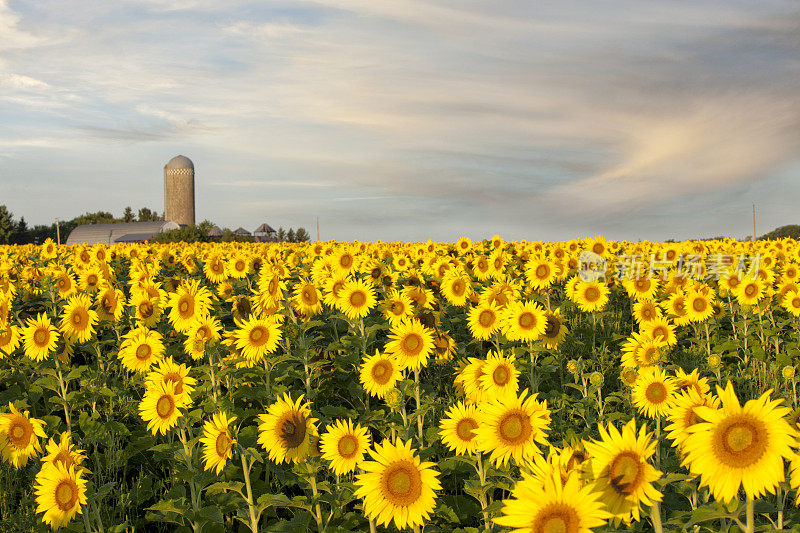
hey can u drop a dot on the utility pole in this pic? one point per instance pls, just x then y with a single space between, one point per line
754 223
317 228
58 233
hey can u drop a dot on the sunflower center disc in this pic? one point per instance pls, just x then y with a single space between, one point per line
514 428
500 375
486 318
796 302
402 483
380 372
293 431
184 307
143 351
464 429
223 443
413 343
458 287
699 305
542 271
357 299
65 458
40 336
77 319
66 495
309 296
347 446
165 406
656 392
526 320
750 290
91 280
592 294
625 471
146 310
552 328
17 432
256 334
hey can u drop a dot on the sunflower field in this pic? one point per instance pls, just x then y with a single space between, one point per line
586 385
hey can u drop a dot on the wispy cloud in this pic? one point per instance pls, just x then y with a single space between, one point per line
413 118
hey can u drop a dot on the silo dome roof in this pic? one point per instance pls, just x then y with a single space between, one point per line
180 161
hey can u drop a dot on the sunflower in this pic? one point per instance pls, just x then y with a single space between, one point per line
591 296
554 330
396 307
257 337
645 311
307 298
39 337
63 452
463 245
217 441
740 446
110 304
681 413
550 504
19 436
77 320
344 445
286 430
357 299
456 287
749 291
91 279
699 306
141 348
457 429
60 494
168 371
621 470
65 283
540 272
411 343
397 486
791 302
484 320
512 427
189 302
660 331
379 373
9 339
642 289
653 392
691 380
214 269
332 292
161 407
524 321
499 376
444 346
469 380
146 309
238 266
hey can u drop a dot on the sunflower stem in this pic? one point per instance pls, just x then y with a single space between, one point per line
192 488
655 516
250 506
482 477
214 390
418 413
63 392
85 513
312 480
708 339
749 528
658 441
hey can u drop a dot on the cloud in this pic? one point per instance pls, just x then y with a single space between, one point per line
408 118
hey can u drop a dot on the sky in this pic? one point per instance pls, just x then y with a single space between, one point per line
409 119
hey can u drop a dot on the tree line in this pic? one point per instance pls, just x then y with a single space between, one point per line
14 231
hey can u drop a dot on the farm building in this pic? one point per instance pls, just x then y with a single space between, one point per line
121 232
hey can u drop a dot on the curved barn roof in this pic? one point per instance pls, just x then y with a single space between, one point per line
111 233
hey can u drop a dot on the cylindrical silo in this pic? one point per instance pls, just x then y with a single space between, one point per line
179 190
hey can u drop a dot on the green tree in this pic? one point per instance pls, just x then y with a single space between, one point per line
302 235
290 236
127 216
146 215
7 225
281 236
